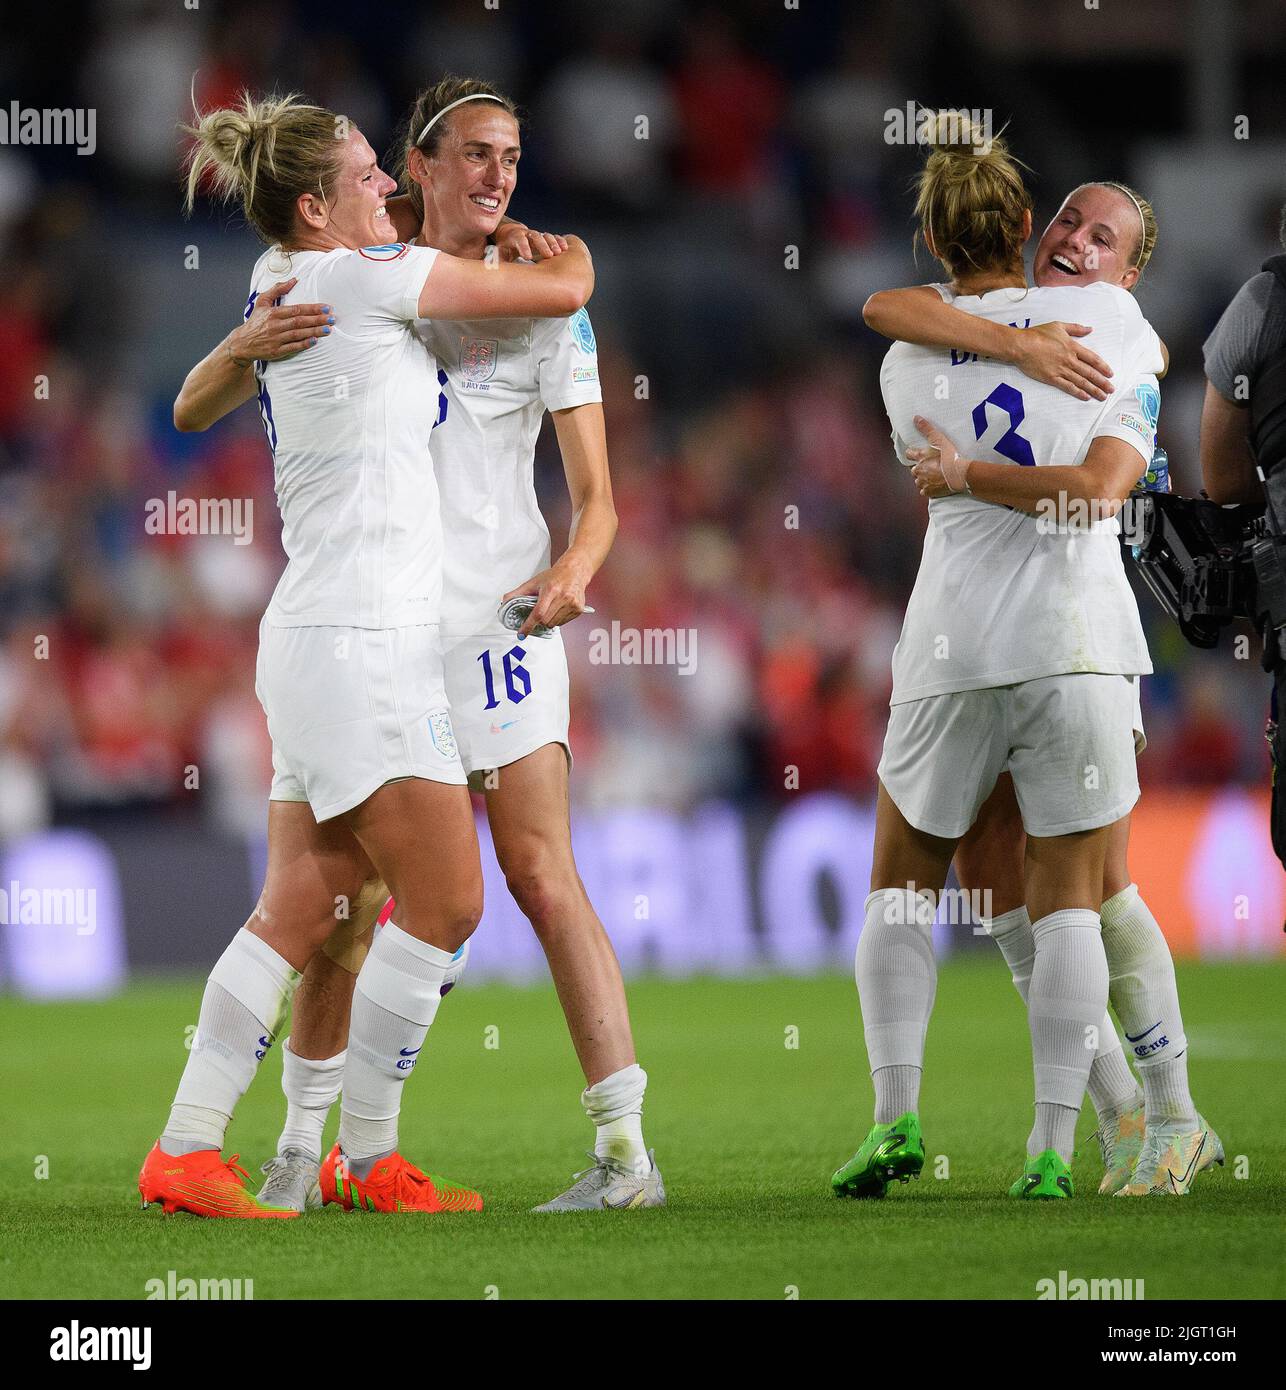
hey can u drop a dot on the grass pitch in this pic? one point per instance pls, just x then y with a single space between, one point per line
747 1131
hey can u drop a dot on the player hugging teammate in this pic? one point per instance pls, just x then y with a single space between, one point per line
1018 669
369 769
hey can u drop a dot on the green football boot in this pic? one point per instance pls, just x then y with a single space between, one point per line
888 1152
1044 1177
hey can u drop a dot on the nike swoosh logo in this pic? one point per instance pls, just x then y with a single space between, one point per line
410 1051
1187 1177
1144 1034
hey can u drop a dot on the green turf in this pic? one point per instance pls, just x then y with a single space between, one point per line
747 1131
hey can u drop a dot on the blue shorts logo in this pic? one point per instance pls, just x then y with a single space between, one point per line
582 331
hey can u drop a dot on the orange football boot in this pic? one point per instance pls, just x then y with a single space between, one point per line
200 1182
393 1184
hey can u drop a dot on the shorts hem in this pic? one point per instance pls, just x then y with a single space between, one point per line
350 802
525 752
922 825
1095 822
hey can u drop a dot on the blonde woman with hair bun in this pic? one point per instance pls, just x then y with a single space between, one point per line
458 160
1104 232
1020 653
368 783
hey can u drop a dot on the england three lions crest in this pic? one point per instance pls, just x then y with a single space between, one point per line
478 359
442 734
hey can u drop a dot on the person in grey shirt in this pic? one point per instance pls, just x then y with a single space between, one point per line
1251 332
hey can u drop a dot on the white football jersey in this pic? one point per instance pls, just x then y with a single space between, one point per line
498 377
348 422
1002 596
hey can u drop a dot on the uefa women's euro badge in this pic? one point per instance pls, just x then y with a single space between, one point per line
582 331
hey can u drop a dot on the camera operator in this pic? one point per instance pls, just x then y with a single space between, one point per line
1244 416
1251 332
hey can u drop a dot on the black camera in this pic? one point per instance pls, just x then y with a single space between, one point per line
1197 558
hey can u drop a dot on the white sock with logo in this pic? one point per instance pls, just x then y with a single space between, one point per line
897 977
246 1000
312 1086
1066 1000
1146 999
615 1105
399 988
1112 1087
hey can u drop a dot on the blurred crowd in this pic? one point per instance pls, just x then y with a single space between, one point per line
760 503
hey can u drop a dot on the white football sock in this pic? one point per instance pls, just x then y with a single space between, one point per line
246 1001
312 1086
1112 1086
1146 1000
1066 999
399 988
615 1105
897 977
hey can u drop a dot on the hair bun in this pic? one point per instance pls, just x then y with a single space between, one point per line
957 132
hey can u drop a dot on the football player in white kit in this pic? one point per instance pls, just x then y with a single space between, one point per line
1020 651
507 689
368 783
1152 1140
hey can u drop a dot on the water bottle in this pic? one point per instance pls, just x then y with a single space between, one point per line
1157 476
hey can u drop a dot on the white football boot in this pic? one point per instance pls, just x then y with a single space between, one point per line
610 1186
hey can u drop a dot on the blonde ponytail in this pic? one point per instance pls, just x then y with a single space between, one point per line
970 196
264 154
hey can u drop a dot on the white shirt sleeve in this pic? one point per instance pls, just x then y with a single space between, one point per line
566 355
1132 414
381 282
1134 408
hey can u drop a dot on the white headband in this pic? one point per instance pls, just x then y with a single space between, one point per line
450 106
1138 207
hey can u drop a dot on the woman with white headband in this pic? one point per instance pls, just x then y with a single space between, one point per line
368 785
507 687
1104 232
1019 653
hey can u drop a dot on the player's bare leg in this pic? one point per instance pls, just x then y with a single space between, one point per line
528 808
990 858
531 829
896 982
414 962
246 1000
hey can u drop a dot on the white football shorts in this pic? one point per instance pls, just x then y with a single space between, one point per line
507 697
1068 741
351 708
